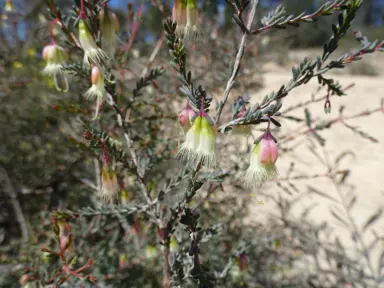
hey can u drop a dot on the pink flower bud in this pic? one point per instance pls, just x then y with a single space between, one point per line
95 75
186 116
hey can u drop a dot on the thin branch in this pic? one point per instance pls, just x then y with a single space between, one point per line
239 56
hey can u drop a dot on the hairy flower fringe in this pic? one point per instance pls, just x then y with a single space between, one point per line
51 69
92 53
258 174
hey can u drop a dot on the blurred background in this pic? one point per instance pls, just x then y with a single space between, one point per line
42 167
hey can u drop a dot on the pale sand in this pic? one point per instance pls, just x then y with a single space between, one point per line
367 168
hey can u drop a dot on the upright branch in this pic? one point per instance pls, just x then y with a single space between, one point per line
239 56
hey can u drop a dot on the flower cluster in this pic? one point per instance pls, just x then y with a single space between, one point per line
199 145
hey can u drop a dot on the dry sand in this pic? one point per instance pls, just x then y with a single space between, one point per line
367 167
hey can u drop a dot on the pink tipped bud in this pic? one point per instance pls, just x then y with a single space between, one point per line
186 116
95 75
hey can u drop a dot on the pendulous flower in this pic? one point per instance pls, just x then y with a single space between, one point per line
109 26
109 185
199 143
263 158
92 53
186 117
55 56
179 14
97 90
191 29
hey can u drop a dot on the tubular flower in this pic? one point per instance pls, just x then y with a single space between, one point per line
97 90
186 116
205 153
199 144
191 29
179 14
92 53
262 165
110 187
55 56
109 25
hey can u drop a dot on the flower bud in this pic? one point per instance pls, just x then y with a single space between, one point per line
55 57
262 165
179 14
191 29
185 117
97 89
327 106
92 53
109 25
110 187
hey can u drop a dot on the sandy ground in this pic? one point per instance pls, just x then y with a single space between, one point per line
367 166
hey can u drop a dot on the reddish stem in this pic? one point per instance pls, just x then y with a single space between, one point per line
105 157
82 14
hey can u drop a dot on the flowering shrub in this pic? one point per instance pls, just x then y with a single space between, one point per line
157 214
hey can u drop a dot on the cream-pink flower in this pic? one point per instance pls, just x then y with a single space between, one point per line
262 166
